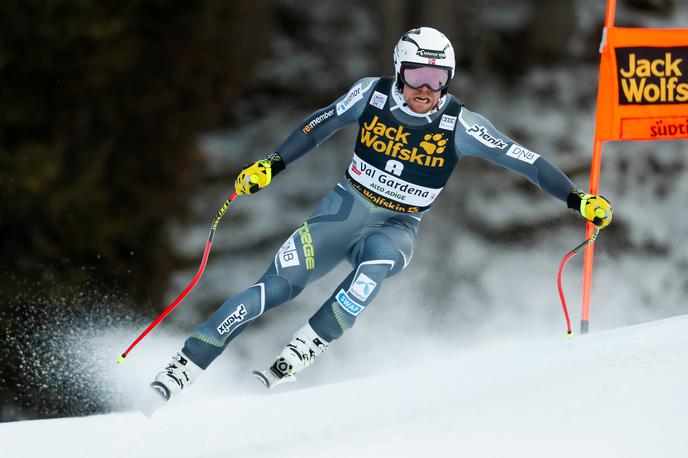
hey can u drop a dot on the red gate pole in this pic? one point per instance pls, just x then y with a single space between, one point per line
589 253
595 179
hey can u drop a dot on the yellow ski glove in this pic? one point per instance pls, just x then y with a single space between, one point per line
594 208
258 175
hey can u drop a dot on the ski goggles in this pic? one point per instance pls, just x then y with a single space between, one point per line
435 78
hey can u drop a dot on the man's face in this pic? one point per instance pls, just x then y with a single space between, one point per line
420 100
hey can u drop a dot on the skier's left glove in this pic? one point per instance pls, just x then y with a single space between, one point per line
258 175
594 208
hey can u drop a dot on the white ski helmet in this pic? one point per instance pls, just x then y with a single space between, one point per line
423 46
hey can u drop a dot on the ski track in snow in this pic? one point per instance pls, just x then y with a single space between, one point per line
609 394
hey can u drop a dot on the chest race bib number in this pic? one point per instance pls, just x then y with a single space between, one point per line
389 186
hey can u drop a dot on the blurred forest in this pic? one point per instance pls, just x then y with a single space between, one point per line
103 105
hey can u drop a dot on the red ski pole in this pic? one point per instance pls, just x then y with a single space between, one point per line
190 286
566 259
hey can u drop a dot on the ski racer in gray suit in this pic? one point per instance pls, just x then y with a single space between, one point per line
412 133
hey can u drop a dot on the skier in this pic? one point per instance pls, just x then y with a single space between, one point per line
411 135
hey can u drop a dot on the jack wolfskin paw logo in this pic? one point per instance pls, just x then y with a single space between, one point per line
437 145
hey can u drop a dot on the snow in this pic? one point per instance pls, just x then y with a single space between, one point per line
619 392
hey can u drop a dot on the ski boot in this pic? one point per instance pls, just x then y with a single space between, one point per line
296 356
179 373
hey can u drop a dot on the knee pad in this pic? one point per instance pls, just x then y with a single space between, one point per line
278 289
379 247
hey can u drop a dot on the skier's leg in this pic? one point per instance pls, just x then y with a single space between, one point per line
312 250
379 255
213 335
309 253
378 258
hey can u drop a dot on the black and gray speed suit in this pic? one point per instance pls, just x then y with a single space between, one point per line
401 162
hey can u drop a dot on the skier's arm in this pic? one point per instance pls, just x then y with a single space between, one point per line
477 137
321 124
313 131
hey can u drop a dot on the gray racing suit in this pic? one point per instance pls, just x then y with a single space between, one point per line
401 162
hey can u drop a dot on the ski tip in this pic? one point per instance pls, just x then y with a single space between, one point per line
120 359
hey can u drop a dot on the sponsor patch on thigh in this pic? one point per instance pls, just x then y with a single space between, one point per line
287 255
362 287
348 304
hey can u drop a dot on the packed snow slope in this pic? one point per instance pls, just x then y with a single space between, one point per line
619 393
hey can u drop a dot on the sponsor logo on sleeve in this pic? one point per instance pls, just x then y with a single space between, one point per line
237 316
522 154
353 96
652 75
348 304
378 100
448 122
313 123
287 255
362 287
481 134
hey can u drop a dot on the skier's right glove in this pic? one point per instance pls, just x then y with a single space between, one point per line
593 208
258 175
